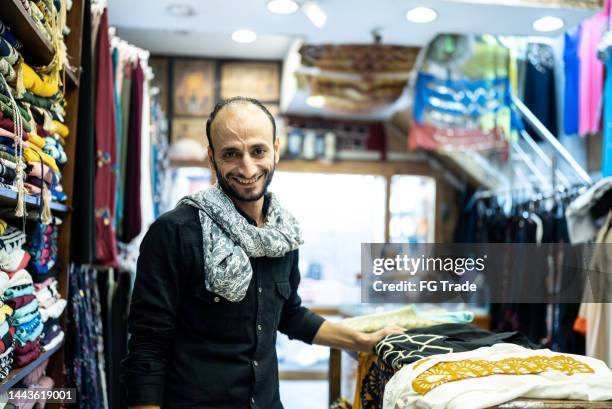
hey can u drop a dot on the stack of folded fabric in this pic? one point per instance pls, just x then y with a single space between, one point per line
41 244
6 331
26 317
12 256
51 306
36 97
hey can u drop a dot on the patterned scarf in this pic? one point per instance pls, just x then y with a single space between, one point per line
229 240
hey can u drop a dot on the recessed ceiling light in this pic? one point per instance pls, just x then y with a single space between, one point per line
181 10
316 101
548 23
244 36
421 15
315 13
282 6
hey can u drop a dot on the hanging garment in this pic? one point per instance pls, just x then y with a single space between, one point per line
106 135
126 96
579 214
591 74
83 235
595 319
540 91
461 114
606 162
490 376
132 222
371 378
571 66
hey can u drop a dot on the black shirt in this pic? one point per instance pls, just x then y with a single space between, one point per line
190 348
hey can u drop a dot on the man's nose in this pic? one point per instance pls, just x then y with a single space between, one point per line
248 167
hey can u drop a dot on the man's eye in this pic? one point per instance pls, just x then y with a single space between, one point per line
258 152
229 155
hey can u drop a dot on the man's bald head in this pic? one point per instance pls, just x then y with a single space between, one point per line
236 101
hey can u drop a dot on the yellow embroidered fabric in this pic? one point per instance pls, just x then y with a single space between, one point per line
41 85
445 372
3 226
59 128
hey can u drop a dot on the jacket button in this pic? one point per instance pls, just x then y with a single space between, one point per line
260 289
259 327
217 299
255 363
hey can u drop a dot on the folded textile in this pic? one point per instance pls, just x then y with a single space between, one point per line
19 302
20 278
29 331
4 282
36 140
8 36
5 312
406 317
27 309
54 311
27 347
14 261
489 376
40 277
6 341
6 362
24 359
60 129
33 154
54 342
403 349
12 239
41 85
4 328
8 52
42 171
14 292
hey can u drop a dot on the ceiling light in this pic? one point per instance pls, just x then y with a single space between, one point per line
282 6
548 23
421 15
181 10
316 101
315 14
244 36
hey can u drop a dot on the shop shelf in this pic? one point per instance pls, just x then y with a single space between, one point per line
17 375
37 49
8 197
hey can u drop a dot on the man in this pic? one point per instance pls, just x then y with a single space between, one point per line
217 277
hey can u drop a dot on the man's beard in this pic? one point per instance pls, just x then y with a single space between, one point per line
232 193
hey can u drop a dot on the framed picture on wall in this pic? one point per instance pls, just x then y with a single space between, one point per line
251 79
193 87
189 128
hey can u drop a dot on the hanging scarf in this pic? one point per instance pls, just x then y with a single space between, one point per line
229 240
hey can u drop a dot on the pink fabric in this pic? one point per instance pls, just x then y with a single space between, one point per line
46 283
591 72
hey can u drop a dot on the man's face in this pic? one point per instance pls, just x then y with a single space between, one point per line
244 155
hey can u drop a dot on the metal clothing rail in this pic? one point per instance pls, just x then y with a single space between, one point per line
544 133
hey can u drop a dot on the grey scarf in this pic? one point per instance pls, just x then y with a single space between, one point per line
229 240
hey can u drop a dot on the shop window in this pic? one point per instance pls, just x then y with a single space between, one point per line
337 212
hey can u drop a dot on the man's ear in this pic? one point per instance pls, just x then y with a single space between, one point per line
211 158
276 146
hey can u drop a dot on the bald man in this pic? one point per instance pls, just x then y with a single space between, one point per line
217 277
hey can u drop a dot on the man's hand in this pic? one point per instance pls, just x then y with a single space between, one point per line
341 337
371 339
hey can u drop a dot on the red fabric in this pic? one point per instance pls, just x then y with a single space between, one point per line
432 138
7 124
106 150
22 264
28 347
23 360
41 131
19 302
132 219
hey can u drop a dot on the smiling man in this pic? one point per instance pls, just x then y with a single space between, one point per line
217 277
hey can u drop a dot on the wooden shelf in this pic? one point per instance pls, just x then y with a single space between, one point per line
9 197
17 375
37 49
72 76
